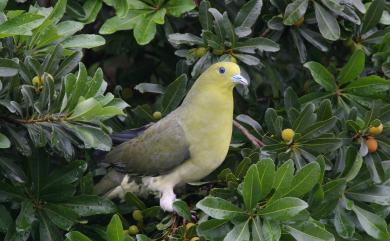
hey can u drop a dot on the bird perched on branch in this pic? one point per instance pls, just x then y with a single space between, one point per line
185 146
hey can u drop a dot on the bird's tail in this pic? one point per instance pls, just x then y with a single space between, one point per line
111 180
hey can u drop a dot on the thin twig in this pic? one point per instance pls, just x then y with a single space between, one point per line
256 142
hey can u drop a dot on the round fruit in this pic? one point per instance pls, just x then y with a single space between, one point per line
37 81
199 52
195 239
133 230
376 130
137 215
372 145
233 59
218 51
288 134
157 115
299 22
189 225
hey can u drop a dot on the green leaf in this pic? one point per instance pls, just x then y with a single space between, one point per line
57 12
8 68
271 230
121 7
283 178
373 15
343 223
4 141
304 180
353 165
327 23
353 68
305 118
321 75
88 205
76 236
178 7
20 25
309 231
141 237
47 230
204 15
182 209
251 45
214 229
239 232
371 81
5 220
86 41
258 182
185 38
145 29
174 94
379 194
115 229
116 23
373 224
61 216
283 208
91 9
248 14
93 137
12 171
294 11
219 208
26 216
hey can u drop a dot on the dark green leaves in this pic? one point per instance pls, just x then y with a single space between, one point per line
304 180
373 15
309 231
219 208
20 25
258 182
327 23
143 18
283 208
321 75
174 94
294 11
353 68
373 224
248 14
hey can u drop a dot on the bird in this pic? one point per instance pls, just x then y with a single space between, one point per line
184 146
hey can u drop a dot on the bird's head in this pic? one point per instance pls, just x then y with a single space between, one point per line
224 73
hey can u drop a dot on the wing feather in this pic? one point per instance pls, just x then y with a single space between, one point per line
160 148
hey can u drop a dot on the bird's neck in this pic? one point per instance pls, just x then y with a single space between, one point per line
211 99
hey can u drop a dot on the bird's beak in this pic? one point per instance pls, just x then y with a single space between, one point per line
238 79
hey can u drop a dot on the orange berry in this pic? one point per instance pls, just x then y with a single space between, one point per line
372 145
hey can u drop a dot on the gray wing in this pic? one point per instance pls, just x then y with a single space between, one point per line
157 150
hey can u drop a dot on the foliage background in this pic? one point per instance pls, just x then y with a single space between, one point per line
74 72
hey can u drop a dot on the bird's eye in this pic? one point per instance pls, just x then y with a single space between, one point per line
221 70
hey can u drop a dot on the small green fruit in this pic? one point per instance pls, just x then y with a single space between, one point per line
133 230
157 115
218 51
137 215
199 52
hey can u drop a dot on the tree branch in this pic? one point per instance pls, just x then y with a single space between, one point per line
256 142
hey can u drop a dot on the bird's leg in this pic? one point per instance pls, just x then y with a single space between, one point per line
167 199
164 185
